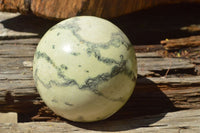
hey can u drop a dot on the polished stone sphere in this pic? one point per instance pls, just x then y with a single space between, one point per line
85 68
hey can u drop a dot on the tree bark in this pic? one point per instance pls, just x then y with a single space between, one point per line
62 9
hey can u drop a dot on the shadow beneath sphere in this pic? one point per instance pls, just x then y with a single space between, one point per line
147 105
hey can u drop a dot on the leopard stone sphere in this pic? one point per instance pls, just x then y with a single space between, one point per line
85 68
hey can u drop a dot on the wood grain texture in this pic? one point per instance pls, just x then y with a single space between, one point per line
174 122
102 8
61 9
15 5
17 85
57 8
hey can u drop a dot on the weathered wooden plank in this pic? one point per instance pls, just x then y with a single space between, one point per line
14 62
173 122
14 91
148 65
148 55
24 90
179 81
17 51
33 41
10 85
10 117
182 97
144 64
17 85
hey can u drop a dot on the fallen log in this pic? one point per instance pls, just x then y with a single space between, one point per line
61 9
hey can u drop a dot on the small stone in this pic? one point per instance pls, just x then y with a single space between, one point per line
28 63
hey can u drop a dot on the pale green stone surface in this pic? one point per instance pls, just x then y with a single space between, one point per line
85 69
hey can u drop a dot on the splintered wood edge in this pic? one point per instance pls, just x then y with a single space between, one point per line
10 117
173 44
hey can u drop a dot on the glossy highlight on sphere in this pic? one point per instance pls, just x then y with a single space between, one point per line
85 68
